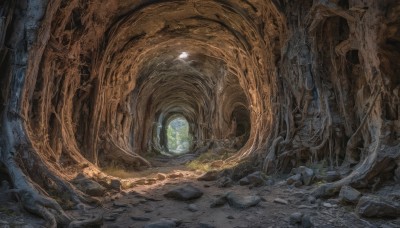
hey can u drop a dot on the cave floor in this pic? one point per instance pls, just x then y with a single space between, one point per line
147 202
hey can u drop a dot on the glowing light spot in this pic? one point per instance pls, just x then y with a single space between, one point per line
183 55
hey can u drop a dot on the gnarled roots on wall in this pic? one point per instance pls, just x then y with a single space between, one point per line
282 82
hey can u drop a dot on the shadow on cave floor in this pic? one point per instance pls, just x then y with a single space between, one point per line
278 203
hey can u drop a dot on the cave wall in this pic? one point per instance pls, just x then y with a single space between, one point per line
86 84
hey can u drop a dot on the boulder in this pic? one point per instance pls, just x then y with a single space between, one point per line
295 218
242 202
89 186
161 176
219 202
115 184
209 176
184 193
244 181
375 207
307 174
349 195
225 182
256 179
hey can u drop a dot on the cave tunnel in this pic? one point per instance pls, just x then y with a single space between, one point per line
105 94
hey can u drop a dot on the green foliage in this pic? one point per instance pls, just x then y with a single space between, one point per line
179 139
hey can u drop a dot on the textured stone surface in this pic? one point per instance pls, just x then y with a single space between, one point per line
184 193
374 207
349 195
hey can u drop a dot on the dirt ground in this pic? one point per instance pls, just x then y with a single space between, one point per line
147 202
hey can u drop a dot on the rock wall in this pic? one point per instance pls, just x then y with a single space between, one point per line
285 83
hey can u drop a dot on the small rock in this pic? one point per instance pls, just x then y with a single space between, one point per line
295 218
332 176
115 184
293 179
244 181
138 218
140 182
242 201
327 205
120 204
311 199
307 174
298 184
175 175
184 193
110 218
217 164
161 176
205 225
193 207
225 182
349 195
281 201
256 179
370 207
88 186
125 184
163 223
209 176
221 201
306 222
119 210
230 217
151 181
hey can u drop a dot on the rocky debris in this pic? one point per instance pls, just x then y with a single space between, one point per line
205 225
307 174
4 224
184 193
281 201
193 207
175 175
150 181
161 176
374 207
219 202
140 218
224 182
295 218
349 195
89 186
163 223
209 176
242 202
255 179
302 176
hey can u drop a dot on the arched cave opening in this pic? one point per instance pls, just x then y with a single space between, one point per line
289 92
179 139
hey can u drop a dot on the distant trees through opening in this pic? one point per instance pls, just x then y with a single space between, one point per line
178 136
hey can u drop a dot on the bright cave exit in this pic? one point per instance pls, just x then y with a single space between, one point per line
178 136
